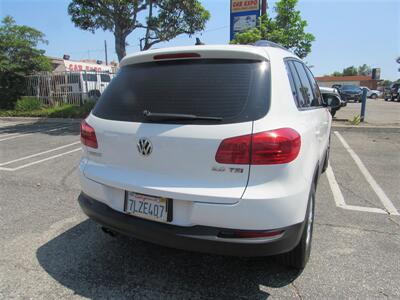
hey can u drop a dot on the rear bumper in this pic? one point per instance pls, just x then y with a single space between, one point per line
194 238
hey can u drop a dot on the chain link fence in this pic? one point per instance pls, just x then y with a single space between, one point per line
74 88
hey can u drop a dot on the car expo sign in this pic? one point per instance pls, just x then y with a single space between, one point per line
244 15
77 66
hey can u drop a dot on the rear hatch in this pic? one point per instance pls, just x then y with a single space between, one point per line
163 153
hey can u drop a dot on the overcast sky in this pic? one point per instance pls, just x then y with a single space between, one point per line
347 32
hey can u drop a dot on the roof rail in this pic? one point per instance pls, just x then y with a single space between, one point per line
266 43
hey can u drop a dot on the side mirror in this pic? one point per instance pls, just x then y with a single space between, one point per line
331 101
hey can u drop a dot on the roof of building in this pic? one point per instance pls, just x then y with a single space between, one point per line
344 78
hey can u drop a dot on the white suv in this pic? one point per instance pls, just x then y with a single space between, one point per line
208 148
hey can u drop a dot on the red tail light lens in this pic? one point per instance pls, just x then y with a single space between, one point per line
234 150
279 146
88 136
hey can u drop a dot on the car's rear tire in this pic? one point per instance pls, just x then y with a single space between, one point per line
298 257
374 96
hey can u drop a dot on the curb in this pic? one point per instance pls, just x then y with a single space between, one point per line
40 120
367 126
342 124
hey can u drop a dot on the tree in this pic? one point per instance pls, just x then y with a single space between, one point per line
364 70
336 73
385 83
350 71
164 20
175 17
19 57
287 29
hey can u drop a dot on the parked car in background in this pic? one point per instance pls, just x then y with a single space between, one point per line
329 94
350 92
206 160
373 94
392 93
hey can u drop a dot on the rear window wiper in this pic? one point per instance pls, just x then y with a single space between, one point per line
167 116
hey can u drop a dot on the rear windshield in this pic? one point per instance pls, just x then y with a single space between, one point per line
235 90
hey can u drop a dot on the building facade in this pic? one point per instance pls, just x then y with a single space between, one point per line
328 81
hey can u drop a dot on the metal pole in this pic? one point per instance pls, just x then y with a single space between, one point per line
105 51
87 90
264 7
363 105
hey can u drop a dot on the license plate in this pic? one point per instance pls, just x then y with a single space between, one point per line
148 207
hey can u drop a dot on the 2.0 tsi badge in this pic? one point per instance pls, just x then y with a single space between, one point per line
144 147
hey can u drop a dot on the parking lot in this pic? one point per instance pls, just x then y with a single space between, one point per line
50 250
378 112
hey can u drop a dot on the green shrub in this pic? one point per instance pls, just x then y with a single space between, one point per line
56 111
88 106
27 104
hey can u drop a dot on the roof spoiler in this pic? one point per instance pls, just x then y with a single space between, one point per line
266 43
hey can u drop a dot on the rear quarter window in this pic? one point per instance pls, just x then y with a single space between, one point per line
236 90
306 88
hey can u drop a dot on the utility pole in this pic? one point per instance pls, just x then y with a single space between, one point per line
105 51
264 6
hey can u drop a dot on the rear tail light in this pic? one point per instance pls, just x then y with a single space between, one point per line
279 146
88 136
234 150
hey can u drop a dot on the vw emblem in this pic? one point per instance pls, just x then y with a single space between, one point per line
144 147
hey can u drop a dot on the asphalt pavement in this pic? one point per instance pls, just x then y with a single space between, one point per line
50 250
378 112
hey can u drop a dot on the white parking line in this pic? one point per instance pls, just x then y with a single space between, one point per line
39 161
339 199
375 186
3 125
37 154
8 134
38 131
